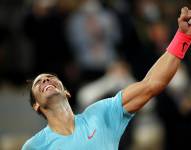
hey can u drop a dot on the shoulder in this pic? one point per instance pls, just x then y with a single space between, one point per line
104 105
35 140
96 107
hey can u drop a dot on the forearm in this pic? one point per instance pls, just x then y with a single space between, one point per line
137 94
162 72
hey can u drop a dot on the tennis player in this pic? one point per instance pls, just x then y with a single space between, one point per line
102 124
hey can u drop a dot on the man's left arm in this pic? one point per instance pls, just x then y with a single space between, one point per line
136 95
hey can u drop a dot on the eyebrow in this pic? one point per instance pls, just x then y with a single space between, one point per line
49 76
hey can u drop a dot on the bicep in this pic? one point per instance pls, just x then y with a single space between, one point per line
135 96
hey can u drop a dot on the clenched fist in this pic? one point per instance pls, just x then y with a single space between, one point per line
184 21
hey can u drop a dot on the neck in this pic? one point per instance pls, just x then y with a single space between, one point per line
60 117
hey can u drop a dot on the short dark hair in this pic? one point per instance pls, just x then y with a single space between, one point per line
32 99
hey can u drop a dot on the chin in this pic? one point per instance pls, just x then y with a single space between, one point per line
52 94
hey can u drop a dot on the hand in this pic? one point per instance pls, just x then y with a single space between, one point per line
183 20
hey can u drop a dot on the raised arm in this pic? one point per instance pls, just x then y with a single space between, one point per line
136 95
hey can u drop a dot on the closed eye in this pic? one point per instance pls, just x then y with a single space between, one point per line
37 82
48 76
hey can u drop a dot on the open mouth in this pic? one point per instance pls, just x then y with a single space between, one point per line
46 88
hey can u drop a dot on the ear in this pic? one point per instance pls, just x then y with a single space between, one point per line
36 106
67 94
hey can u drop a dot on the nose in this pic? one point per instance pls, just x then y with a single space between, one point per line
45 80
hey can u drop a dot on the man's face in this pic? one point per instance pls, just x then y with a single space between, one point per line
46 86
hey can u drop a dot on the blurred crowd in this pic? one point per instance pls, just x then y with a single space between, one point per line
97 47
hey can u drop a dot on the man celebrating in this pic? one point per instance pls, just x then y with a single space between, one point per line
101 125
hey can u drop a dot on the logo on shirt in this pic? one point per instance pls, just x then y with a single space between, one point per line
91 135
183 46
